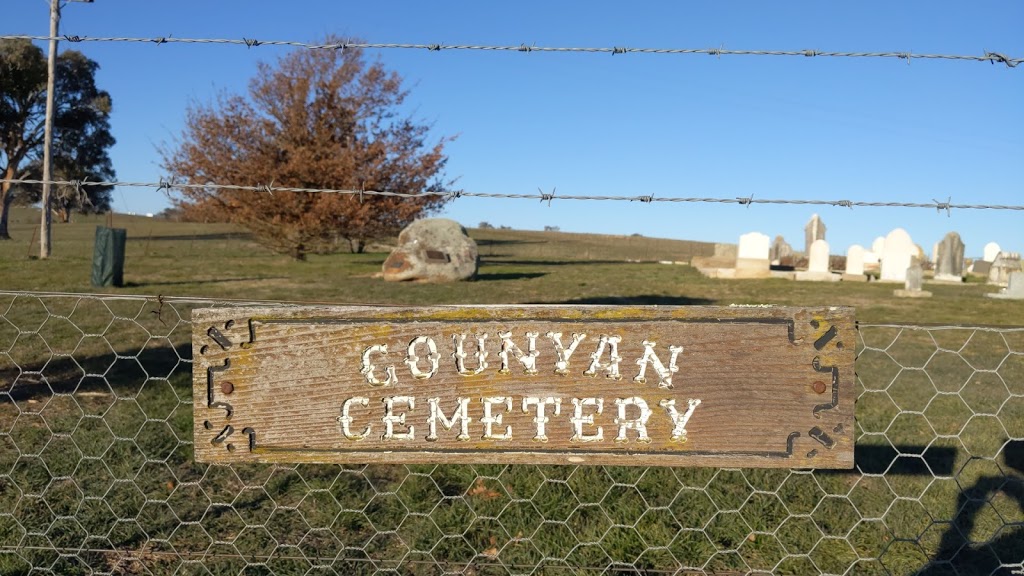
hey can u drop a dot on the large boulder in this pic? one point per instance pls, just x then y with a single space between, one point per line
433 250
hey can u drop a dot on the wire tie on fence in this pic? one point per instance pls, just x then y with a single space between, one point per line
72 38
745 201
844 203
907 56
251 42
940 206
268 188
645 199
546 197
164 185
434 47
810 53
525 48
619 50
994 57
455 194
160 40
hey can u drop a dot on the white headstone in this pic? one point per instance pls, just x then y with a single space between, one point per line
754 245
878 246
991 251
870 259
1014 289
817 259
899 251
855 260
752 256
935 253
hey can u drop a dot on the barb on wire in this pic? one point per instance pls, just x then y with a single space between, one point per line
541 195
988 56
546 197
940 206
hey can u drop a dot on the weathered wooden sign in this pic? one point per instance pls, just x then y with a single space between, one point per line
667 386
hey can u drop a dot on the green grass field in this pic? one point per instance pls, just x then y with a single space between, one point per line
96 468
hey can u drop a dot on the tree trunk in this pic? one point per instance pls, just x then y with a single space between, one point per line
6 197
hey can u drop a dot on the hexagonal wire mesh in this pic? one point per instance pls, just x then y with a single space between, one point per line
97 475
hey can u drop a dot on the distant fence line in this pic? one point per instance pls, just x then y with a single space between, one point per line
168 185
987 56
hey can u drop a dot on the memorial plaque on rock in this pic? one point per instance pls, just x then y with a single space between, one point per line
673 386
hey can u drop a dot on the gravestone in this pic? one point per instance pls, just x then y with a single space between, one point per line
870 260
1014 289
752 257
814 230
1006 263
896 257
878 246
432 250
949 259
935 253
914 281
991 251
817 264
855 264
780 249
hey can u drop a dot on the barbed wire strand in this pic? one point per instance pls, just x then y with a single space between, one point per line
991 57
168 186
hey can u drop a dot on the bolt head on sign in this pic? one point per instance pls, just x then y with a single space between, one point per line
751 386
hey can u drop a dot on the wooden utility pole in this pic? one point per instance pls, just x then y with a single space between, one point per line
51 73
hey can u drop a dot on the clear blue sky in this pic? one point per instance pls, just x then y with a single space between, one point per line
669 125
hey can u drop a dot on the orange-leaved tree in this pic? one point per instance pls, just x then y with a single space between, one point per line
324 119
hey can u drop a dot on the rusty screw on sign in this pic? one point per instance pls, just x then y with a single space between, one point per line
228 387
818 386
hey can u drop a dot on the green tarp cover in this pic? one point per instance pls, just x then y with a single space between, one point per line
108 257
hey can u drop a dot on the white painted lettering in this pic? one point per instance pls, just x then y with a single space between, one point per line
578 420
639 423
390 418
413 361
664 374
489 420
562 364
527 359
461 414
460 354
367 366
346 420
679 420
541 420
612 367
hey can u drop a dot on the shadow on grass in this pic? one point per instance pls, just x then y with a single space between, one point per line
213 281
197 237
487 262
956 551
508 276
124 373
643 299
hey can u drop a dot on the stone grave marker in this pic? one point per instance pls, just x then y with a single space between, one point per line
913 283
1014 289
949 259
1005 264
734 386
855 264
813 230
432 250
991 251
752 256
818 264
878 246
780 249
896 257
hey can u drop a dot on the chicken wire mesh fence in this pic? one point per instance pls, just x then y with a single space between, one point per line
97 475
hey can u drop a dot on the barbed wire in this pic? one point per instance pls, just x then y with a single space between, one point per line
991 57
168 185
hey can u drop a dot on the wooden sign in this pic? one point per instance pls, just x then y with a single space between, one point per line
667 386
